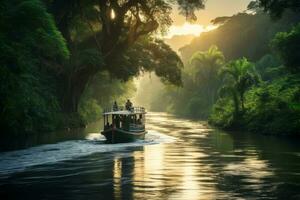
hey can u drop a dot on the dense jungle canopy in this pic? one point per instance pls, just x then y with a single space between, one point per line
243 74
51 50
61 61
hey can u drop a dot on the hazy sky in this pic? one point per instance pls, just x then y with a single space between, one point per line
213 9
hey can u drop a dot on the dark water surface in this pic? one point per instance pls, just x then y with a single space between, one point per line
180 159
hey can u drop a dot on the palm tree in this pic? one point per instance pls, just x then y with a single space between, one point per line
205 66
239 76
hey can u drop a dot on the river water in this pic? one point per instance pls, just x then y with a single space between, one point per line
180 159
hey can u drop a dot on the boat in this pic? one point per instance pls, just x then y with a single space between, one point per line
124 125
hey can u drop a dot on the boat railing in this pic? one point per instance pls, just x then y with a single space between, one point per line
122 108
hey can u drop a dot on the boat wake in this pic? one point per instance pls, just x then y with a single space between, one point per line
16 161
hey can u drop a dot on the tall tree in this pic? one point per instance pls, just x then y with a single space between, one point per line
205 67
30 47
103 31
287 46
238 76
275 7
247 35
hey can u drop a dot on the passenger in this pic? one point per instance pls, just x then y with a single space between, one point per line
117 120
115 106
128 105
139 121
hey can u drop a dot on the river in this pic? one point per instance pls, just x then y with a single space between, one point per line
180 159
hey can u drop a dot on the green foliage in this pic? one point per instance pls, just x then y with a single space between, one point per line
241 35
121 45
188 8
200 84
239 76
269 67
26 104
90 110
42 82
100 93
39 77
32 29
274 108
84 57
287 45
116 44
275 7
222 114
271 108
28 44
260 97
149 55
205 65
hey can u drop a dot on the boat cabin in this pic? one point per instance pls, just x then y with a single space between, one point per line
132 120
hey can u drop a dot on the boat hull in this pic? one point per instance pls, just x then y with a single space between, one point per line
115 135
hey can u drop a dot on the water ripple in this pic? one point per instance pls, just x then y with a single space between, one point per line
15 161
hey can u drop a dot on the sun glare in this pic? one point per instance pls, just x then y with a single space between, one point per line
189 29
112 14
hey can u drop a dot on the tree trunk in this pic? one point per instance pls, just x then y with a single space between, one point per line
242 102
236 104
74 87
71 98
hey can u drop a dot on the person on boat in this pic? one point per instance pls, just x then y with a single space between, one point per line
139 121
115 106
107 125
128 105
117 120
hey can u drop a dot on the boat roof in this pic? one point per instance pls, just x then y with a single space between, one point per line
133 111
123 112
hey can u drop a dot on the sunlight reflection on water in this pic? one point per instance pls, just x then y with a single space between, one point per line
180 159
19 160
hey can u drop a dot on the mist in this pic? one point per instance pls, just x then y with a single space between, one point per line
149 92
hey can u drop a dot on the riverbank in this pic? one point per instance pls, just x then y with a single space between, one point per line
271 108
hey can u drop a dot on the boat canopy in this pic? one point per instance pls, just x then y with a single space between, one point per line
122 111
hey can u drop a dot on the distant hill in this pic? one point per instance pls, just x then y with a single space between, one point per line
178 41
242 35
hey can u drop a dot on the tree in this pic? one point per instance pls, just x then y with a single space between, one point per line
275 7
31 48
239 76
200 85
247 35
103 31
287 46
205 67
269 67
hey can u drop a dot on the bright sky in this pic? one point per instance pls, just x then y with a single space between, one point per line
188 29
214 8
